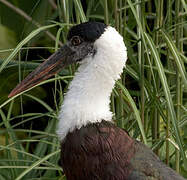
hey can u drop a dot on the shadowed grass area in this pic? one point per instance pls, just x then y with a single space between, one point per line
150 100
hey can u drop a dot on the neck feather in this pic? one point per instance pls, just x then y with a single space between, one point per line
88 98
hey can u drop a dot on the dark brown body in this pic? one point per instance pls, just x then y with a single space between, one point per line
102 151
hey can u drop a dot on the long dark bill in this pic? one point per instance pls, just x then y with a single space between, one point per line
48 68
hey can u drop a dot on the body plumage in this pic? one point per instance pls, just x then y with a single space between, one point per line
102 151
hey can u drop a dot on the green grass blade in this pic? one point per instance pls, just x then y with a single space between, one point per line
183 57
44 104
184 5
176 56
142 37
79 6
44 82
166 92
36 164
23 42
136 112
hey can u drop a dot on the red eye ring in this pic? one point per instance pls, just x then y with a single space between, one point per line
76 40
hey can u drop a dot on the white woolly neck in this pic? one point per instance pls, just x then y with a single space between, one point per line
88 98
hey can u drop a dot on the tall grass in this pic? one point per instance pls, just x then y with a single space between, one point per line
149 101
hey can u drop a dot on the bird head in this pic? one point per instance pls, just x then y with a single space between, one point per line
81 43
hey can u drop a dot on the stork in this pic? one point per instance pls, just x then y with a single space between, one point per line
92 147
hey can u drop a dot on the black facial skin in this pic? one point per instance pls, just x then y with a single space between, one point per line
82 50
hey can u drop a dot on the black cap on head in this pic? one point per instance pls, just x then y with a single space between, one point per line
89 31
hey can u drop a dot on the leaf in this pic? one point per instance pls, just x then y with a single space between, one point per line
136 112
167 93
79 6
36 164
23 42
176 56
7 40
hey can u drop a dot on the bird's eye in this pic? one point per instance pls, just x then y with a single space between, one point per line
76 40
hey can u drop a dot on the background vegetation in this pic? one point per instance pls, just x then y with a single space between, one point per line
150 101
